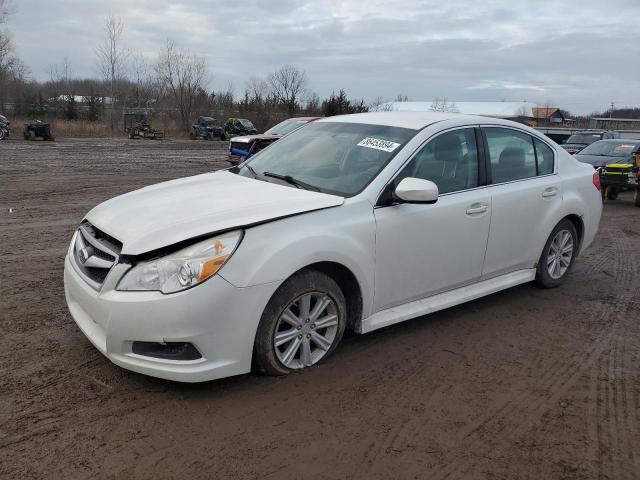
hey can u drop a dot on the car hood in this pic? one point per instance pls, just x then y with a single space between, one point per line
250 138
167 213
599 160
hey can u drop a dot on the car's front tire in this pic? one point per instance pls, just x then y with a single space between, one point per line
302 324
557 256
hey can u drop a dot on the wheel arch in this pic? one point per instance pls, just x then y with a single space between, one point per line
577 222
348 283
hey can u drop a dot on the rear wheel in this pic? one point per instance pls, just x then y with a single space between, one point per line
636 197
301 325
612 193
558 255
2 134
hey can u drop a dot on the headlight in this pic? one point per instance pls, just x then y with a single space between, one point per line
184 268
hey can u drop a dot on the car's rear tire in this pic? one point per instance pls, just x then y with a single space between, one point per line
557 256
302 324
636 197
612 193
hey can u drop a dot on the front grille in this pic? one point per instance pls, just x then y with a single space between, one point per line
94 253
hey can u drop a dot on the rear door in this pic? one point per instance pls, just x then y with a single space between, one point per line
525 196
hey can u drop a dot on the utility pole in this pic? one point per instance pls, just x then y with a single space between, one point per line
613 104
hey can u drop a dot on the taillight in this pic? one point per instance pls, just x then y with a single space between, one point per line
596 180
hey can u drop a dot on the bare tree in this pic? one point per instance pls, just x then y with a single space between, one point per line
257 88
11 68
184 77
112 59
288 85
441 105
6 8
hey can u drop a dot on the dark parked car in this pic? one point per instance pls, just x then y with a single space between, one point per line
243 147
4 127
37 130
579 140
239 126
207 128
604 152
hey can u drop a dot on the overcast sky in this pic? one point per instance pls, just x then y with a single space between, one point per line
579 55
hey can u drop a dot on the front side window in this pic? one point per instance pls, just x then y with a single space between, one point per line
511 154
450 161
333 157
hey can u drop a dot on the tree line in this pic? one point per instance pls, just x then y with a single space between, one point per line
174 84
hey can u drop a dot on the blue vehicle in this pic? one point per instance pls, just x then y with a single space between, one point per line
207 128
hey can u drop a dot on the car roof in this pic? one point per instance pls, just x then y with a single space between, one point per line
619 140
414 120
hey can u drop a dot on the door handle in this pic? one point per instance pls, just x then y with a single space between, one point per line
550 192
476 208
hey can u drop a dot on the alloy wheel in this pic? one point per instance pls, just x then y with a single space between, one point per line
560 254
306 330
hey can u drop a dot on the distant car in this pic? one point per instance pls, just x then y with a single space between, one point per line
579 140
4 127
241 148
239 126
37 130
207 128
604 152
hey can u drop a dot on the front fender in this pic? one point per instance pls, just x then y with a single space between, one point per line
274 251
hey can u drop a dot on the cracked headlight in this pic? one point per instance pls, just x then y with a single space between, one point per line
182 269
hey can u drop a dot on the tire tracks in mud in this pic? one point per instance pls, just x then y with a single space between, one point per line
557 380
564 374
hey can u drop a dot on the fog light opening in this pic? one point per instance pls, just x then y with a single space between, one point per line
167 351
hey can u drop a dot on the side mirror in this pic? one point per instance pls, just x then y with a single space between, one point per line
417 190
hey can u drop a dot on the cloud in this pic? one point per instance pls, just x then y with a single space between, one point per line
578 54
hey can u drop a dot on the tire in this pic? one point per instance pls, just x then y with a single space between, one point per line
549 274
2 134
636 197
612 193
270 359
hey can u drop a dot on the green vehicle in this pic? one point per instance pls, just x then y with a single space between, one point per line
615 177
238 126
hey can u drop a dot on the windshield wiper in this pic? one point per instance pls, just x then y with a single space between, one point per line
289 179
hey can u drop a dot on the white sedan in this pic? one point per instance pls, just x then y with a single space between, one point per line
357 221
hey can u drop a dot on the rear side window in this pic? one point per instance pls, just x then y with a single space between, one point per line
511 153
544 155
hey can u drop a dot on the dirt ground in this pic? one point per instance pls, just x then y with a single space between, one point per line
522 384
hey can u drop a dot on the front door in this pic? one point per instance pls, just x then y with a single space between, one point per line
423 249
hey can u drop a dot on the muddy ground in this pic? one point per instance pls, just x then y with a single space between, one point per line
525 383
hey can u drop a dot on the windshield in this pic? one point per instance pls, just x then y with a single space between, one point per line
208 121
246 123
285 127
586 139
609 149
338 158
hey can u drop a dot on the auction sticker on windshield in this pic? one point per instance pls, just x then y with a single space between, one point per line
378 144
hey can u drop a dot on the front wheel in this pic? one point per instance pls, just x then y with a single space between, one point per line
612 193
301 325
557 256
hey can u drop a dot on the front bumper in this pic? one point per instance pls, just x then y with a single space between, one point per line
220 320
